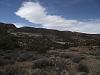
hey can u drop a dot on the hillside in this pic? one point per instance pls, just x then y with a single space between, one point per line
38 51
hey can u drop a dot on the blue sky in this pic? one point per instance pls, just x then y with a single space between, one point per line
73 15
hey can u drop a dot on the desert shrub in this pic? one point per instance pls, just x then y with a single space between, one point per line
25 56
7 42
41 63
78 58
98 57
40 45
6 61
83 68
66 46
8 56
19 68
98 43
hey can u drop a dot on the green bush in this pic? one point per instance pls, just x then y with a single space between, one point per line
7 42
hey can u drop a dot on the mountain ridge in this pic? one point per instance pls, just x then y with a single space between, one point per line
27 28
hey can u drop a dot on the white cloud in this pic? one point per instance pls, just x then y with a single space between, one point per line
92 26
19 24
35 13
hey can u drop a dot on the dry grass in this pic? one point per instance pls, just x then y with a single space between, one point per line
19 68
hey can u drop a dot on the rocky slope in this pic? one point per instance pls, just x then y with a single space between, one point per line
37 51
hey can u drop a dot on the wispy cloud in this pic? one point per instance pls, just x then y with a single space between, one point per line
35 13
